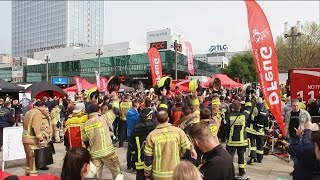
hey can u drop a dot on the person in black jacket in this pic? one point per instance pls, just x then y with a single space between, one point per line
139 135
6 119
304 149
218 163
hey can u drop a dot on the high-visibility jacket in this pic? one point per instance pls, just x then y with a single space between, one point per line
139 135
258 122
74 130
236 121
96 131
124 108
55 115
214 126
186 122
164 147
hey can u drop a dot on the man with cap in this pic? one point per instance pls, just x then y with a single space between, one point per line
138 137
74 127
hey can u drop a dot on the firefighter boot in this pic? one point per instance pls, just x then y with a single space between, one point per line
242 171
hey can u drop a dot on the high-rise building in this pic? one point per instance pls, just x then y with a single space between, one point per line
44 25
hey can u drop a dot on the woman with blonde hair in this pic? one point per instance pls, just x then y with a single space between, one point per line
185 170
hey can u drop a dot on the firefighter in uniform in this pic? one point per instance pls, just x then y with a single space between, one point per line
255 129
55 122
194 87
213 124
162 88
33 137
97 139
237 140
74 127
139 135
125 105
164 147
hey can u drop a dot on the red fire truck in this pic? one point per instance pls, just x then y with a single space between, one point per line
304 82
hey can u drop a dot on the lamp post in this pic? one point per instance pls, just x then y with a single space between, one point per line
99 53
295 31
47 59
176 58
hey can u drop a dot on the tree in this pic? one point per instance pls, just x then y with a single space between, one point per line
307 49
242 66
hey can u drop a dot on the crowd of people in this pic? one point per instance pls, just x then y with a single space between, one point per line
170 135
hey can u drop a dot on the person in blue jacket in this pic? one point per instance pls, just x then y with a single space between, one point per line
303 148
132 118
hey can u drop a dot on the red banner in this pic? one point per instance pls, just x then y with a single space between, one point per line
155 65
78 83
265 58
190 58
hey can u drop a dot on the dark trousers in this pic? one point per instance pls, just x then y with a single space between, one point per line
122 131
256 146
115 125
240 151
17 118
130 162
1 137
140 174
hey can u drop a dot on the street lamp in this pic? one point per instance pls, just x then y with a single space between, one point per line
295 31
47 59
99 53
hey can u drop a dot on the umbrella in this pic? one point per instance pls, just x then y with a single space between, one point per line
9 87
44 88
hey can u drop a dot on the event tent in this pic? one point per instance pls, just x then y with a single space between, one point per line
85 85
183 85
225 81
9 87
44 88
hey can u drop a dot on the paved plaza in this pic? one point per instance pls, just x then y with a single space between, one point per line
272 167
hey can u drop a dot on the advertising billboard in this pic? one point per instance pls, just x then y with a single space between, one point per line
17 67
159 45
59 80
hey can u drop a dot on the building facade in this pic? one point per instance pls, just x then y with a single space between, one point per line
135 68
43 25
77 53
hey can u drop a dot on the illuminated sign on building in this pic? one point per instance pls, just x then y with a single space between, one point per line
159 45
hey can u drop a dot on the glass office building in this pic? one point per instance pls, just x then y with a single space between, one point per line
134 68
44 25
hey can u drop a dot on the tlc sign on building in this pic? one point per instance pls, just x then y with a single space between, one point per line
218 48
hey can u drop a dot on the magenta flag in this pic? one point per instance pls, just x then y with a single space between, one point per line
190 58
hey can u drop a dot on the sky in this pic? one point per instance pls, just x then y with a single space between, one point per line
202 23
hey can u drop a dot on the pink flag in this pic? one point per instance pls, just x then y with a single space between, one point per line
98 79
190 58
104 83
78 83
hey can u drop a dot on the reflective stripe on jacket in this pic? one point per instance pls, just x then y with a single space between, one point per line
97 133
165 145
237 123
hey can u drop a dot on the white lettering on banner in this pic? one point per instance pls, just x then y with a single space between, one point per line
156 67
266 54
314 86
